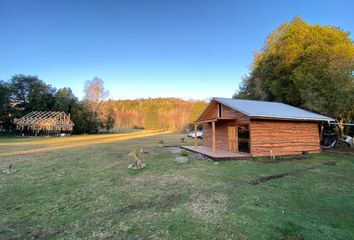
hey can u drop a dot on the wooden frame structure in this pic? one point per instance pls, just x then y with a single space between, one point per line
45 121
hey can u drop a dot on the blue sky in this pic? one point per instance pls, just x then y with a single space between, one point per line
192 49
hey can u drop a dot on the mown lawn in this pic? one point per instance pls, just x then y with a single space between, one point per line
6 139
87 192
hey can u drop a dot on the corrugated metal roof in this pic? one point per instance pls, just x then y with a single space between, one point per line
265 109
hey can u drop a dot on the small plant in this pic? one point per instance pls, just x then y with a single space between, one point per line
183 139
135 156
10 169
271 156
182 156
161 143
183 153
141 152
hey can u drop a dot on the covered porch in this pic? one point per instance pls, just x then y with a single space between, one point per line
223 138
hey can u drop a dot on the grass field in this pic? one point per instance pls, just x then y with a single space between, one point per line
81 188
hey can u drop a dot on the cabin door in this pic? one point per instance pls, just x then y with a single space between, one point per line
244 138
232 136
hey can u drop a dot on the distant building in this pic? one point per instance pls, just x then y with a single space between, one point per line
49 122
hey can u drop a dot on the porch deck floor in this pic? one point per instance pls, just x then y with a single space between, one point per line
218 154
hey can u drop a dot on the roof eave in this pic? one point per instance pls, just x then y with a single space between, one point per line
292 118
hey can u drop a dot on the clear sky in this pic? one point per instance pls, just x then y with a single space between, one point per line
192 49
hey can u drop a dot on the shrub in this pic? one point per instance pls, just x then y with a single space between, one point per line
183 153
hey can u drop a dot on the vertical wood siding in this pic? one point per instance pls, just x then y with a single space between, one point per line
221 134
207 134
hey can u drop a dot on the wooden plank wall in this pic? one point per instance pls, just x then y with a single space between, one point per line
207 134
221 126
221 136
211 112
283 138
240 118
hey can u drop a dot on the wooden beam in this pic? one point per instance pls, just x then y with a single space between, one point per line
195 134
206 121
286 119
224 118
250 138
213 135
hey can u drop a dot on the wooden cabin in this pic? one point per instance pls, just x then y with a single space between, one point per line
234 128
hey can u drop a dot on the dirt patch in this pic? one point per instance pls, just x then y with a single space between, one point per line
292 173
278 159
332 163
268 178
41 232
341 147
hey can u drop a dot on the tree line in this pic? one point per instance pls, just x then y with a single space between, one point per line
308 66
153 113
24 93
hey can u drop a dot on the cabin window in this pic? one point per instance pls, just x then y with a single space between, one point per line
219 110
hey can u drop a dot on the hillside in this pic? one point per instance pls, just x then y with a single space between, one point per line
153 113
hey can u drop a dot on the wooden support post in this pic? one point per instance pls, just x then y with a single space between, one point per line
213 135
195 135
321 131
236 138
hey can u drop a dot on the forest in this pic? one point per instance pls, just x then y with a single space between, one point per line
95 112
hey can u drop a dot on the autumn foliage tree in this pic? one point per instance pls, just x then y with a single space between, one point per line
308 66
153 113
95 94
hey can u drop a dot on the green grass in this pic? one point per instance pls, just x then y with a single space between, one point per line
19 139
89 193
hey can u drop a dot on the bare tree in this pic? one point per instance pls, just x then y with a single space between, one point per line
95 94
94 90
